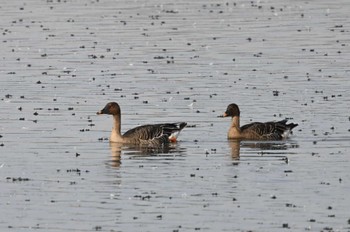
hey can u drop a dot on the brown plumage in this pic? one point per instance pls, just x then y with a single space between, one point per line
256 130
150 135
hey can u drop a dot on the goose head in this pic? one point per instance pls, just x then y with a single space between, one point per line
232 111
111 108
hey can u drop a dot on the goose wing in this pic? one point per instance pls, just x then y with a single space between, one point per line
149 132
156 141
267 130
145 132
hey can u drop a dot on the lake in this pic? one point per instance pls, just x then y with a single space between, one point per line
172 61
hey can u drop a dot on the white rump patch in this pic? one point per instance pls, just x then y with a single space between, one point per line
285 134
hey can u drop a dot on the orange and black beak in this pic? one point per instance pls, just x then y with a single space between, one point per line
103 111
225 115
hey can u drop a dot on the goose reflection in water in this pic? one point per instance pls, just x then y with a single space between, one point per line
136 151
235 146
116 151
264 149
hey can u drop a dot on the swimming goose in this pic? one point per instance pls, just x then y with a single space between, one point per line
151 135
256 130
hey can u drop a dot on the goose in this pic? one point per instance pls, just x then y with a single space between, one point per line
257 130
150 135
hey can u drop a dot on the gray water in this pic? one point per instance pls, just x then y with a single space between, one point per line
169 61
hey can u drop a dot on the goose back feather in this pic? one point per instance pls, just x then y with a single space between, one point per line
147 132
268 130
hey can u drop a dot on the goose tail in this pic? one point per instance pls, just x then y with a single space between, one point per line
288 128
174 130
292 125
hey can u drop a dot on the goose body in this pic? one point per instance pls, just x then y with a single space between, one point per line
151 135
257 130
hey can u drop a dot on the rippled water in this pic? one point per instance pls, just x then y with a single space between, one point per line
166 61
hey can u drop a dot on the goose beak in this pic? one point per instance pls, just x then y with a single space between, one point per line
225 115
99 112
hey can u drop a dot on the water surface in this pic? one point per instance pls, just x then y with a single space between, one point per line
162 61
